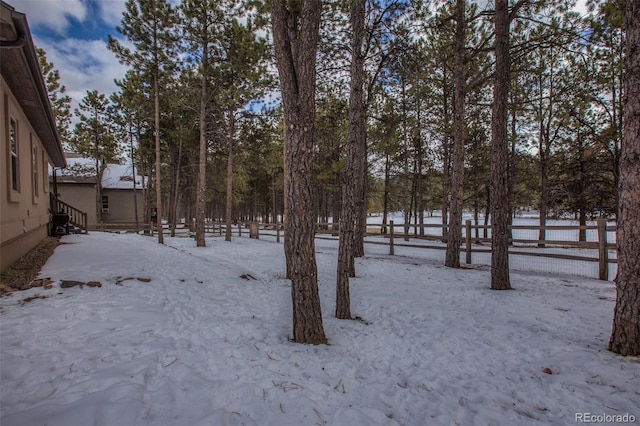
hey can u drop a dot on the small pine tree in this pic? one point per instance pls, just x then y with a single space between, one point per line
60 101
151 26
93 138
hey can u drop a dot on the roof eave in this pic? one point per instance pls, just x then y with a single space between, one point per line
34 97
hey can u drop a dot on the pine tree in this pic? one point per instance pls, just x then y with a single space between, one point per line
136 112
129 118
60 101
355 139
150 26
500 154
625 336
201 23
454 236
295 34
93 138
241 76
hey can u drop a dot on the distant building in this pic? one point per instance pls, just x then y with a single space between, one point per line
29 143
120 198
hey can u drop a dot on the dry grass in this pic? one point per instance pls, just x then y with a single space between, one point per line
22 273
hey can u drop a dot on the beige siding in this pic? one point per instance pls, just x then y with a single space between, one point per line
121 203
24 212
122 206
80 196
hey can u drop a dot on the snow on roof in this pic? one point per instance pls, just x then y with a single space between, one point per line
115 176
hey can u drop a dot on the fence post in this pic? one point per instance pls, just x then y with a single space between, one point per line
406 232
254 230
239 229
391 251
277 232
468 241
603 252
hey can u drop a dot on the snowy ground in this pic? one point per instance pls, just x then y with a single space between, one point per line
206 342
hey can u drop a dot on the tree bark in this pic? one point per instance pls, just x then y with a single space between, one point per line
201 188
156 114
350 179
385 201
176 192
295 35
454 236
229 201
134 173
625 335
419 183
544 196
500 154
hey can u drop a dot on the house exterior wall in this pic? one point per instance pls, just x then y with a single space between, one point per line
80 196
121 205
24 182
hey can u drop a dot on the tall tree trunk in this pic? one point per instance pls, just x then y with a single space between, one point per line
135 189
419 183
583 183
201 187
406 207
385 201
156 121
350 186
487 212
335 208
274 206
446 160
544 197
625 335
295 36
286 181
454 237
172 212
173 188
500 154
146 191
513 165
361 185
177 188
446 188
544 146
361 199
229 201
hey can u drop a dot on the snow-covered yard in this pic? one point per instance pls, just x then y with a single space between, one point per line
206 342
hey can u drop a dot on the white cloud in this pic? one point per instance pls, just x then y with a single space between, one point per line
111 11
53 15
84 65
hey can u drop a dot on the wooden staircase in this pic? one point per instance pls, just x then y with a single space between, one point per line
77 217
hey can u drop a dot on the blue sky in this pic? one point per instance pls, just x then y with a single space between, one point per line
74 35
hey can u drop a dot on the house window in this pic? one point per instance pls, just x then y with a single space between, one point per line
35 170
13 138
105 204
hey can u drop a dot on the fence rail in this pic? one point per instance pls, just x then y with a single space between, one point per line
522 244
473 243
